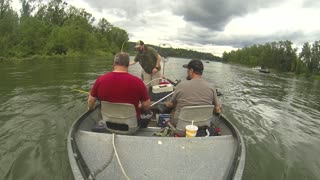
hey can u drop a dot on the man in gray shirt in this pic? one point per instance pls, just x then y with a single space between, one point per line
194 92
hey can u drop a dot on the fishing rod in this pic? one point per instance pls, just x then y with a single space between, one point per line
162 49
122 46
82 91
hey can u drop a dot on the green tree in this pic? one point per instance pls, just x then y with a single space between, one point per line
305 56
278 55
9 22
33 36
54 13
27 8
315 57
116 37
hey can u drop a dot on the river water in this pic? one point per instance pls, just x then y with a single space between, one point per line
277 114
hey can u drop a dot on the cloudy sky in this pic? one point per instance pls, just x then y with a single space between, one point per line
211 26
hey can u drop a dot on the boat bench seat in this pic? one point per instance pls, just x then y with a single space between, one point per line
120 118
200 115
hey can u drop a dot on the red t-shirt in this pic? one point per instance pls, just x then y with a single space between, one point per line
120 87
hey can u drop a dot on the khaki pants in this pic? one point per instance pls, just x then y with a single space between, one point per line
148 77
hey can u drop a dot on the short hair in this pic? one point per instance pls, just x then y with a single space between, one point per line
122 59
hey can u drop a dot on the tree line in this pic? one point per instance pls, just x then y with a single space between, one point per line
177 52
55 28
280 56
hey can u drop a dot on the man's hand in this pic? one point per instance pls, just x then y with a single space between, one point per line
217 109
91 102
132 63
154 70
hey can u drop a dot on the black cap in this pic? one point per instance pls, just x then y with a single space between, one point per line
196 65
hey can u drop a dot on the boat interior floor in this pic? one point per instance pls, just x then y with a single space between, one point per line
178 155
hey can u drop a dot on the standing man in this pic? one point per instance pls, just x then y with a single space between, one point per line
149 59
194 92
119 86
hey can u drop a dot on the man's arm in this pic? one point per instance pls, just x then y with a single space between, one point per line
170 104
157 67
135 60
217 106
91 102
132 63
158 60
173 101
146 105
217 109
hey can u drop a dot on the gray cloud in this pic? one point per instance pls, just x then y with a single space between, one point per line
311 4
212 14
132 8
215 14
205 20
202 36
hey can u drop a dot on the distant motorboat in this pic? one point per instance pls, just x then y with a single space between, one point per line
257 68
264 70
261 69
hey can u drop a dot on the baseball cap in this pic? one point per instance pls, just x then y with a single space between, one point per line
139 43
196 65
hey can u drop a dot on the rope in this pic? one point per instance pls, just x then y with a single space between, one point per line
115 151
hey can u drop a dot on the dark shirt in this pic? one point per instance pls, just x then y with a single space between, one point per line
147 59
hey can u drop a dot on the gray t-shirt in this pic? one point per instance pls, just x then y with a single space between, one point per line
192 93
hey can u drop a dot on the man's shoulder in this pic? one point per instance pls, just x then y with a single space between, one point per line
151 49
193 83
105 75
134 78
182 84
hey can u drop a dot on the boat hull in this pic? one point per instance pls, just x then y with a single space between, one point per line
143 156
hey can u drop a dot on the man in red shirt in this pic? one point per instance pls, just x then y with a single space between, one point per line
119 86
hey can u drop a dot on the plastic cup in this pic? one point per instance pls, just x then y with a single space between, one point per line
191 131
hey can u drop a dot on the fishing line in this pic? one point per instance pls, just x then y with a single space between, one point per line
164 51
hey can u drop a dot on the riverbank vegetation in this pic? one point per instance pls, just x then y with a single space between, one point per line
177 52
56 29
280 56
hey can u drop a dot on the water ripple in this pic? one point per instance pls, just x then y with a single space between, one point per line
277 114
